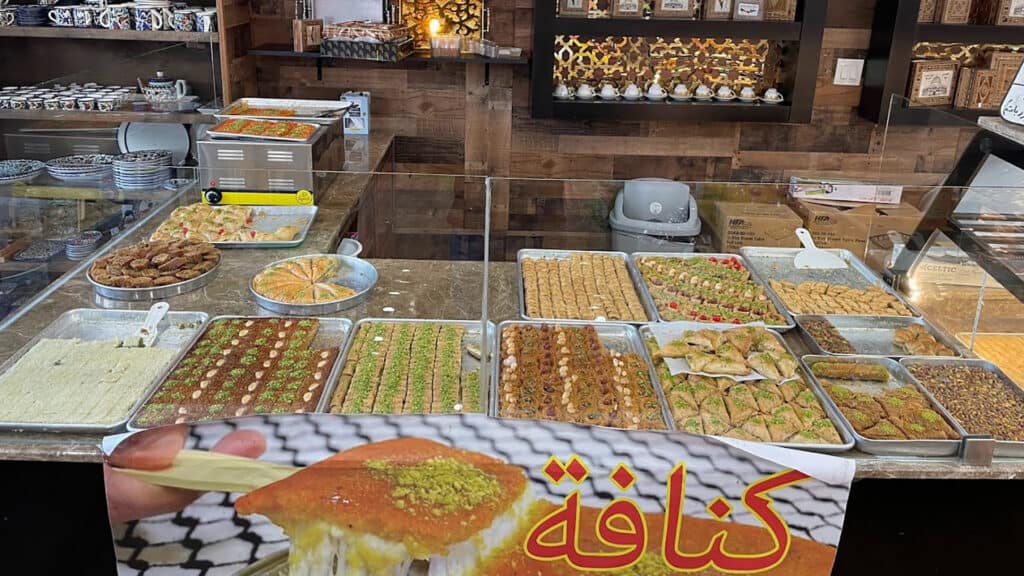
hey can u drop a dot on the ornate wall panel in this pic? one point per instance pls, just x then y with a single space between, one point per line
710 61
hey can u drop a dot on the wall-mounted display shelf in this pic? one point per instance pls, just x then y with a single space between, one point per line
799 52
894 34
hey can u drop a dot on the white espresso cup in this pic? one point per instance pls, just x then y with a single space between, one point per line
609 92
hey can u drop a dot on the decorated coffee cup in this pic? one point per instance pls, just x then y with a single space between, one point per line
84 16
116 17
609 92
108 104
62 16
184 20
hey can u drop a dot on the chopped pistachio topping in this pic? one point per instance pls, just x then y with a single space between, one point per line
442 485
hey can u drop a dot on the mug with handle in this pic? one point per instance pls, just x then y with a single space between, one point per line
7 17
149 19
181 88
62 16
116 17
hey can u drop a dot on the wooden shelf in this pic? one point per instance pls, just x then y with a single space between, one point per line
970 34
102 34
712 111
285 51
425 56
895 32
678 28
100 117
282 51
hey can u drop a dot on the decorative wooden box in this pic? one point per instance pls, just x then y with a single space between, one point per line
380 52
780 10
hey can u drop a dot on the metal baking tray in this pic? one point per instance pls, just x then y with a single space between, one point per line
649 298
777 264
177 331
873 335
156 292
898 378
833 415
235 136
354 273
305 110
333 333
1017 373
470 364
621 337
270 218
1003 448
565 255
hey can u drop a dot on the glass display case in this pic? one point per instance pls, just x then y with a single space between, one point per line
51 229
963 263
472 274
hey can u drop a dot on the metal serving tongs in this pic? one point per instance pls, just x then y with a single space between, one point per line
213 472
146 335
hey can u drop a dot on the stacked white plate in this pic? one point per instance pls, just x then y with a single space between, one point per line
80 167
152 3
14 171
83 245
144 170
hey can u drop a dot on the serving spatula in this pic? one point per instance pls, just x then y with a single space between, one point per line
812 257
146 335
213 472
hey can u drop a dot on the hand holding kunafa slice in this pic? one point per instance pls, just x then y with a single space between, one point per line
377 507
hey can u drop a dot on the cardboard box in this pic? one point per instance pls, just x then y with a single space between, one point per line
852 228
953 11
926 12
738 224
843 191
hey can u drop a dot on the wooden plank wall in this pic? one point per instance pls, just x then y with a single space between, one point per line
447 119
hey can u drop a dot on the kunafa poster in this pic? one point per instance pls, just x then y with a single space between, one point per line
320 494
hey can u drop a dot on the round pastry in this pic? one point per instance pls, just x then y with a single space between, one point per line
152 264
305 280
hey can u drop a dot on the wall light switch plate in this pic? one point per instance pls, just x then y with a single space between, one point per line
848 71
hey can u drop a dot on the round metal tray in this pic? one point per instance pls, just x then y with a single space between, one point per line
155 293
353 273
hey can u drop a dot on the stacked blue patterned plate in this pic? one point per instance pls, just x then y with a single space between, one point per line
30 15
143 170
15 171
83 245
81 167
